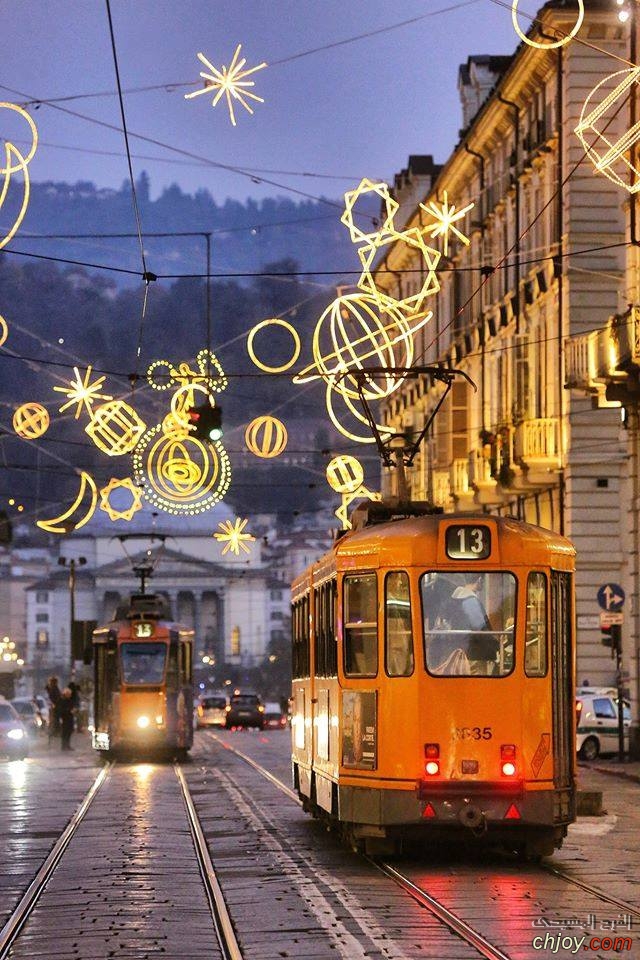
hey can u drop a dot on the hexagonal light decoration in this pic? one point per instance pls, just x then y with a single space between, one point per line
391 207
414 303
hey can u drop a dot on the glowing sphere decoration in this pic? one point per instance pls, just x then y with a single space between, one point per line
266 437
610 154
274 322
31 420
345 474
181 476
115 428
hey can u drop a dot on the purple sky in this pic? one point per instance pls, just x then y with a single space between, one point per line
356 110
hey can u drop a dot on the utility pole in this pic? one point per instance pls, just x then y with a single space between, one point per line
72 563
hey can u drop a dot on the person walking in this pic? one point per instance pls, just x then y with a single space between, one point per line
75 700
54 694
65 718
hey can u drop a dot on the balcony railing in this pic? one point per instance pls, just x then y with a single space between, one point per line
441 487
538 441
581 361
460 477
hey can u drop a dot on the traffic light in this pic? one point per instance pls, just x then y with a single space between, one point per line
612 637
206 422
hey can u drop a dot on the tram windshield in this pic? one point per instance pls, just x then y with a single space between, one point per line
469 623
143 662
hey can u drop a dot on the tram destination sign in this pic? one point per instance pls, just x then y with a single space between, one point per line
469 541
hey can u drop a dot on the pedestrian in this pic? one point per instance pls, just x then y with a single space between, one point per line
75 699
54 695
64 711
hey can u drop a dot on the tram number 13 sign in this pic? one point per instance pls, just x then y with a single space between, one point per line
468 542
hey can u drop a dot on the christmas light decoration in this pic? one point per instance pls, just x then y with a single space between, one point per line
63 522
173 427
82 392
385 336
4 331
230 82
274 321
347 500
16 162
611 155
391 207
266 437
414 304
345 474
181 476
31 420
164 375
184 399
331 393
446 216
115 428
552 45
116 484
233 537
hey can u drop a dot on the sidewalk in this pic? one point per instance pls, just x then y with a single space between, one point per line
629 770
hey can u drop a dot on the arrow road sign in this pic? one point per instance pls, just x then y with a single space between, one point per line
611 597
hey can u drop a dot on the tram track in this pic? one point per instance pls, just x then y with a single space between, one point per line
447 916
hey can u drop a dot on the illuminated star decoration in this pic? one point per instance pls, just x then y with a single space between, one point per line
83 392
233 537
445 217
230 82
114 512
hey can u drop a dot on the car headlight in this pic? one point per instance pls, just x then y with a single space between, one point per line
16 734
143 722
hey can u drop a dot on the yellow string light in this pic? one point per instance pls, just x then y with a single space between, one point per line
275 321
549 45
116 484
31 420
181 374
391 207
83 393
115 428
445 216
230 82
604 151
233 537
181 476
266 437
63 523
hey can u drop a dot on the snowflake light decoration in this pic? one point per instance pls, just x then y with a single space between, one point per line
233 537
230 82
113 512
82 392
445 215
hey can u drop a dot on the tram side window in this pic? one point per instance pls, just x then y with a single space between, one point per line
319 632
326 658
332 640
185 663
535 637
300 638
398 650
361 625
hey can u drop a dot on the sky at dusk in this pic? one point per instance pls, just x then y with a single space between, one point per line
357 109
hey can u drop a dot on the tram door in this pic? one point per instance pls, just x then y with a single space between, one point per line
562 667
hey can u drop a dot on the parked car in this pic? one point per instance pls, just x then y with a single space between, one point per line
597 727
273 715
245 710
13 735
211 710
29 713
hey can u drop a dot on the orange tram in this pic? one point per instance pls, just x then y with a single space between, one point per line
143 682
433 681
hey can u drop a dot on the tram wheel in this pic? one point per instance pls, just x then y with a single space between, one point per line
589 749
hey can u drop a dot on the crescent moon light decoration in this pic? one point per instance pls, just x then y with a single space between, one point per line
62 523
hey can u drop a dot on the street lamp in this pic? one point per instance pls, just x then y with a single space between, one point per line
72 563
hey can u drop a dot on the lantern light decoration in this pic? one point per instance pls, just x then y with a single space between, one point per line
345 474
115 513
64 523
31 420
230 82
233 536
266 437
181 476
274 321
611 155
115 428
16 162
547 45
82 392
445 216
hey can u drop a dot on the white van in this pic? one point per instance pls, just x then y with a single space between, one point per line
211 710
597 727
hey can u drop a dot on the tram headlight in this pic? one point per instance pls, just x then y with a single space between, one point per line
15 734
143 722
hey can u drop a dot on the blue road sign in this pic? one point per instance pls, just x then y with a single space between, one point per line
611 597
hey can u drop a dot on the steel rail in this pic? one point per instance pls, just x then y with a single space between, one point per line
451 920
262 770
595 891
225 932
21 913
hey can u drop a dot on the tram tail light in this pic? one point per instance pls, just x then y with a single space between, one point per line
432 757
429 813
512 813
508 759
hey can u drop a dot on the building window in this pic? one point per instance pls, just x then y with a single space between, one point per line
276 594
42 639
235 642
42 618
276 615
42 596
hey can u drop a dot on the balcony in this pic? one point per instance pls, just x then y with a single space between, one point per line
461 489
441 480
484 485
537 448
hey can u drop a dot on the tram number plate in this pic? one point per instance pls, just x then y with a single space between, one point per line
474 733
468 542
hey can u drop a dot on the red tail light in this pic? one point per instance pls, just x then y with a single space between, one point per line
428 812
431 751
512 813
508 759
